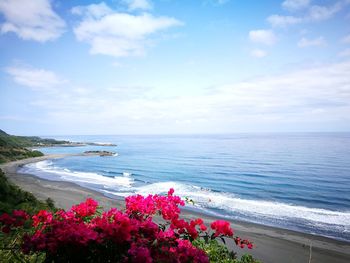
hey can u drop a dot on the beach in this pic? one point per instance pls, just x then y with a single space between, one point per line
271 244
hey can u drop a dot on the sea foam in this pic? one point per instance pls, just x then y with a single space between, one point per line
205 198
47 170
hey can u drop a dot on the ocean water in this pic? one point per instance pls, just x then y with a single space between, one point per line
293 181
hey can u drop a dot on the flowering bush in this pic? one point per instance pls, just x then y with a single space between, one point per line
85 234
16 220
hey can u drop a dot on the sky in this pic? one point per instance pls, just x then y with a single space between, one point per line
174 66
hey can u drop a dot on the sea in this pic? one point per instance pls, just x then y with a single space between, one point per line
296 181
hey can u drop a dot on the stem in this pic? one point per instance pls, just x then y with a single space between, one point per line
9 248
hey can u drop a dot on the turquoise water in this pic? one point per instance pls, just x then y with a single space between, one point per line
293 181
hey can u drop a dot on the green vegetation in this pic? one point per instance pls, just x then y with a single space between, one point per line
13 198
220 254
12 154
14 147
26 141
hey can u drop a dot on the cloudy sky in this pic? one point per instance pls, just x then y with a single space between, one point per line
174 66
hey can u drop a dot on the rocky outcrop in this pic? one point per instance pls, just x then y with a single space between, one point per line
100 153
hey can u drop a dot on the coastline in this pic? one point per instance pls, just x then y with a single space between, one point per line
64 194
272 244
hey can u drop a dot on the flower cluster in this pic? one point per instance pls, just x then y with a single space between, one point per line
43 217
15 220
85 234
144 207
243 242
222 227
85 209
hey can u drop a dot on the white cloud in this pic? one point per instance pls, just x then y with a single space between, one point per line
258 53
138 4
315 13
266 37
31 20
221 2
283 21
320 13
317 42
344 53
346 39
293 5
300 98
118 34
34 78
93 10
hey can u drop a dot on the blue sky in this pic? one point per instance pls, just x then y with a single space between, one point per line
172 66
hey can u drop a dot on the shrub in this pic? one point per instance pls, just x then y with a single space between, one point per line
12 197
86 234
220 254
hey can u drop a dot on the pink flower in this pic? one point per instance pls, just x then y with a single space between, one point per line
21 214
6 229
6 219
42 216
243 242
166 235
16 220
88 208
117 236
222 227
140 254
171 191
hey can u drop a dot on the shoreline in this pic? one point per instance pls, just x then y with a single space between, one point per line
272 244
64 194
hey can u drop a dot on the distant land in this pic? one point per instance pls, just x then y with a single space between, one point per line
20 147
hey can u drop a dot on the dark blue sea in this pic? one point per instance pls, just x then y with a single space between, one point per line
293 181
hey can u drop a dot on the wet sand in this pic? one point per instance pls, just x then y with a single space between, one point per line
271 244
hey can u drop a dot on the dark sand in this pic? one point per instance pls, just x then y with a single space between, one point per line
271 244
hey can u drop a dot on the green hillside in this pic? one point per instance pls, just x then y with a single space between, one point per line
15 147
26 141
12 197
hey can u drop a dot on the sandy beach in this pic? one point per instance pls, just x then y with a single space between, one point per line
271 244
